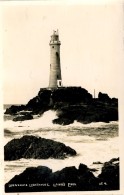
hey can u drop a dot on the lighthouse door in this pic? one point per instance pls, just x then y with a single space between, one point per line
59 83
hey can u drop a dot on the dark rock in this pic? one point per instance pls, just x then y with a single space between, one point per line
14 109
110 175
97 162
83 168
62 121
104 97
73 95
40 103
29 179
37 148
67 179
114 160
71 103
68 174
84 113
23 117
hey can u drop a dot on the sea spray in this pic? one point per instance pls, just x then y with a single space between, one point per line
43 121
93 142
87 153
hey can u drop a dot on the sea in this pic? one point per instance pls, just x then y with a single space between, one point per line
95 143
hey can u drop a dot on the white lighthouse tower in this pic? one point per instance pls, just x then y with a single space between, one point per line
55 79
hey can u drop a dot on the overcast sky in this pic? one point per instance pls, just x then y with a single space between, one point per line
90 53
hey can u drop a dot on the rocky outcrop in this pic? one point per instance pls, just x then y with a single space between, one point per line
104 97
110 174
70 95
14 109
40 103
37 105
63 121
37 148
71 103
67 179
97 162
87 113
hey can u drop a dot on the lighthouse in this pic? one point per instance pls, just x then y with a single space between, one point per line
55 79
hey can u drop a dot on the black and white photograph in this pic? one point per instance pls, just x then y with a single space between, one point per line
61 69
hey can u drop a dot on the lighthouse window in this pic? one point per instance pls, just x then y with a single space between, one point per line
52 46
